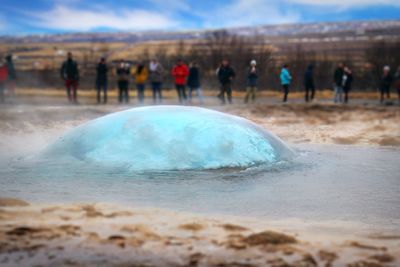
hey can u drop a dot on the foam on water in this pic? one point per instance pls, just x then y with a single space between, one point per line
170 138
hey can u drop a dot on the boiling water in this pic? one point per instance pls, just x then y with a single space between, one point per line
341 183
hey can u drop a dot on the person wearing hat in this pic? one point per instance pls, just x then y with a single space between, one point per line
225 74
386 82
252 76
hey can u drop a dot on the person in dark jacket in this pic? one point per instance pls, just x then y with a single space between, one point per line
386 82
102 80
12 76
252 76
70 74
337 83
123 73
193 82
225 75
3 79
397 82
309 83
347 83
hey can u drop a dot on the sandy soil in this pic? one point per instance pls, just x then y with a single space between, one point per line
328 123
106 235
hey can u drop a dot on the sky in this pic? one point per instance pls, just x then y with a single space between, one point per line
18 17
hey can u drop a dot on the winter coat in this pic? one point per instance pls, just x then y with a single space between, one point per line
123 73
3 73
141 77
338 76
180 73
309 78
252 76
285 77
194 78
101 72
69 70
156 72
397 80
12 75
386 81
225 74
347 81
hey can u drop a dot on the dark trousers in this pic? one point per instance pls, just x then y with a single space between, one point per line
310 89
140 92
346 95
285 92
123 91
72 88
181 90
101 86
156 87
2 86
226 88
385 90
398 93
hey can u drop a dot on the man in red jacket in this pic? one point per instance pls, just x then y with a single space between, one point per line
180 73
3 79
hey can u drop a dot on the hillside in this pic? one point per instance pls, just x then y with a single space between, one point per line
358 28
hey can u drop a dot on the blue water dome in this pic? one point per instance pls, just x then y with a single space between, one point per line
161 138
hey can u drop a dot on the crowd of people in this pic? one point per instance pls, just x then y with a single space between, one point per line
188 76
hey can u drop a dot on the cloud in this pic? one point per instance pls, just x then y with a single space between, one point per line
348 3
251 12
72 19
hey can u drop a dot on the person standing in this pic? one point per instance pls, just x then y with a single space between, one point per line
347 83
3 79
252 77
225 75
386 82
123 72
12 76
70 75
194 82
180 72
156 75
397 82
286 79
102 80
309 83
141 75
337 82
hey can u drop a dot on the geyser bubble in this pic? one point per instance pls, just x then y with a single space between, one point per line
161 138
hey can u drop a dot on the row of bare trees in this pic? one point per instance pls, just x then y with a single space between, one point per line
240 50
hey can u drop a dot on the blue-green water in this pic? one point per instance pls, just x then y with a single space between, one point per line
345 183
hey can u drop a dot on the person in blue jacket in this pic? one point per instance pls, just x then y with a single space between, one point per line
286 79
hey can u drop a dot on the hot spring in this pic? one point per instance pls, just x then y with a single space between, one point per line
196 160
169 138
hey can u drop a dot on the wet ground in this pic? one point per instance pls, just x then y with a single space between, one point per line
343 183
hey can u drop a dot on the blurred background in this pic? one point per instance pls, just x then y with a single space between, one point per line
364 34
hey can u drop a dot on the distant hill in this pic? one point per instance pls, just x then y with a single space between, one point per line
359 28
